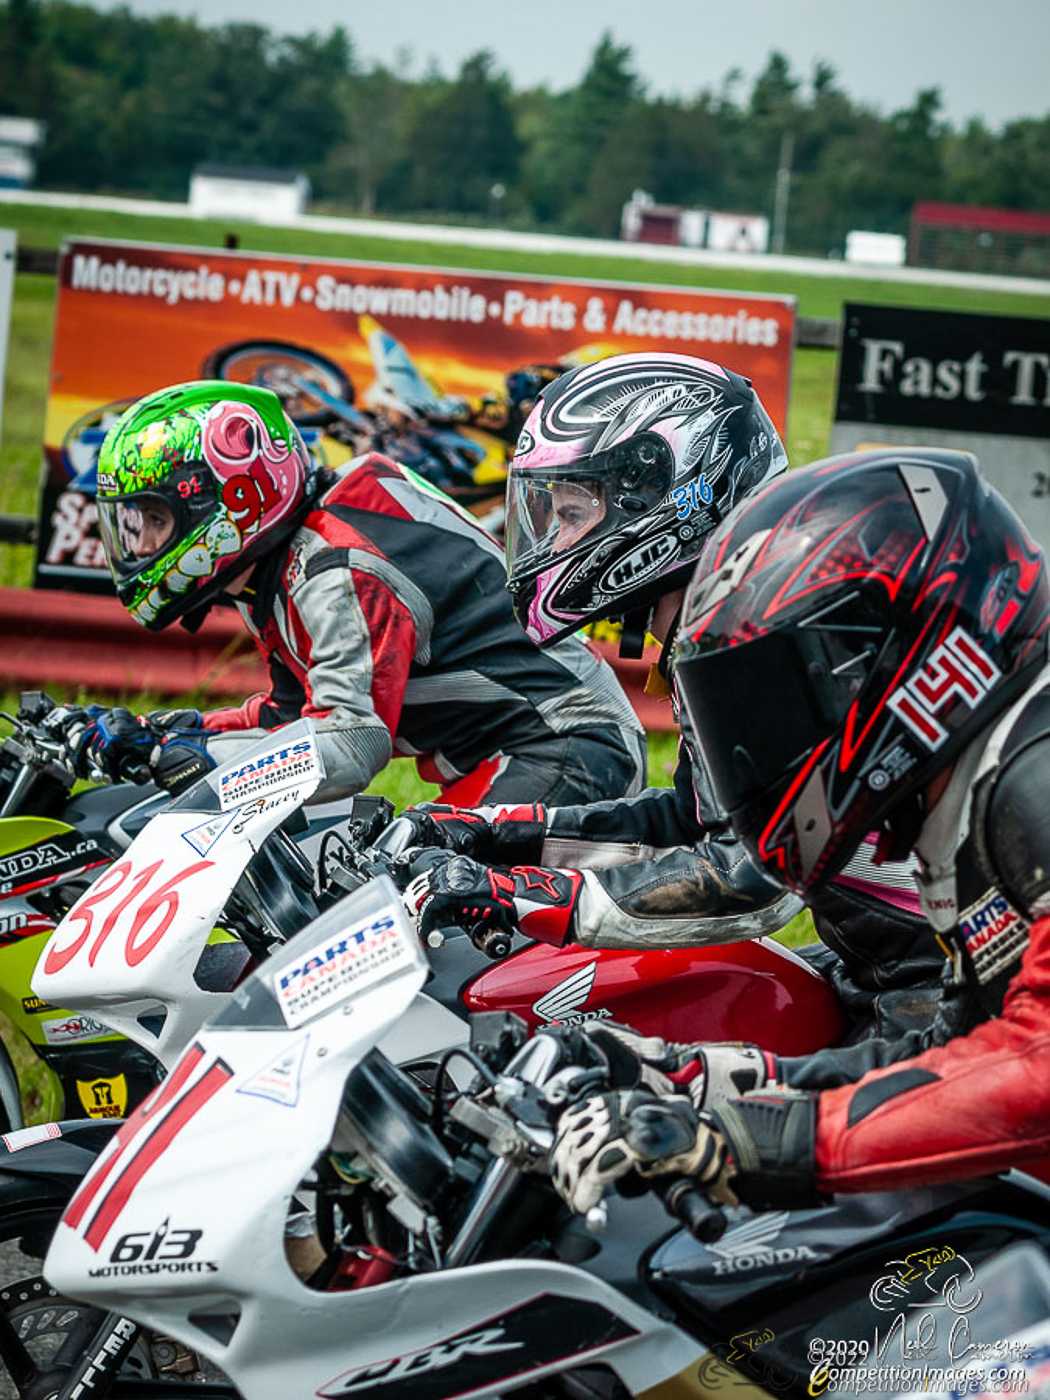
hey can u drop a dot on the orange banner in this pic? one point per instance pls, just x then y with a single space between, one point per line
421 362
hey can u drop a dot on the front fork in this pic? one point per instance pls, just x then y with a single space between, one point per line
96 1351
10 1094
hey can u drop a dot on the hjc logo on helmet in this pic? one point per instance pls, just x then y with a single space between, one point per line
639 565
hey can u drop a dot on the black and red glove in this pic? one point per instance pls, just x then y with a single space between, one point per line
527 899
494 835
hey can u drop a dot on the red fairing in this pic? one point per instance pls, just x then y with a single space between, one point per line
979 1104
753 991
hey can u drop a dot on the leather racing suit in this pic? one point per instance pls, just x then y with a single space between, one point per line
385 618
971 1093
663 869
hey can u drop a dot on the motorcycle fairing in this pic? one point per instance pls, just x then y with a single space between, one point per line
39 851
754 990
809 1273
128 950
231 1294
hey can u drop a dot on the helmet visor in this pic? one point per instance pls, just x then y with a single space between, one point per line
760 707
560 509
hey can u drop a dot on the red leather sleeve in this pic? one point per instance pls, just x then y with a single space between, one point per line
244 716
980 1103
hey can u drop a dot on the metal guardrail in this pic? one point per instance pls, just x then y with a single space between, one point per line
17 529
89 640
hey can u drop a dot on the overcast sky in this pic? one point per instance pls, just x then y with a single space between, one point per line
989 60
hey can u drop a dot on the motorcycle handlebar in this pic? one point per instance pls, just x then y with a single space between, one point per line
495 943
133 770
684 1200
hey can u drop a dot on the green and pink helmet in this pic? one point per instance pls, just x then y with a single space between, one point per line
195 483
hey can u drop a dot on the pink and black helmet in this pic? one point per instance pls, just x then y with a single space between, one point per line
621 470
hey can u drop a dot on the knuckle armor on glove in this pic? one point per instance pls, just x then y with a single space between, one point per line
108 741
492 835
462 893
727 1071
608 1136
709 1073
179 759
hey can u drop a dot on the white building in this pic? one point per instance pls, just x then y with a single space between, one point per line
19 139
238 192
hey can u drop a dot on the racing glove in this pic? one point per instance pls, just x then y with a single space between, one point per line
608 1136
493 835
459 892
114 742
709 1073
179 757
771 1137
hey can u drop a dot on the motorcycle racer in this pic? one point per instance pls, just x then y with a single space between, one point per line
904 614
377 604
622 470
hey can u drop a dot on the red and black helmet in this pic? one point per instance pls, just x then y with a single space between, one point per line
847 632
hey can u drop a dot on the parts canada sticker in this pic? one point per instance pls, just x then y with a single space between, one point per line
282 767
995 934
344 962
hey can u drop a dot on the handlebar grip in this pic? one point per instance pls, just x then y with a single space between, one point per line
396 837
133 770
495 943
687 1203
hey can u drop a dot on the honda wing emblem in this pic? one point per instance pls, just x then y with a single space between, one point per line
564 1001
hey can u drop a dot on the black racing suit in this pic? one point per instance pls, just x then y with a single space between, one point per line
663 869
385 618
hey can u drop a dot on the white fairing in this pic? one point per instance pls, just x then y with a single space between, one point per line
129 947
182 1223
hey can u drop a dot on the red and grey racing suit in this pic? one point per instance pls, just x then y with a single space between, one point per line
385 619
971 1094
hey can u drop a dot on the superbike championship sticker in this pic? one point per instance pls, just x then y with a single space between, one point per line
269 772
344 962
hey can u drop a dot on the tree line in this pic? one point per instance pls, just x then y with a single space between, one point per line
133 104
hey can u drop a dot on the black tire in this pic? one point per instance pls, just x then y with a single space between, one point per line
273 363
34 1320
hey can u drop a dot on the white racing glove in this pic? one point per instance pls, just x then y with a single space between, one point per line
710 1073
608 1136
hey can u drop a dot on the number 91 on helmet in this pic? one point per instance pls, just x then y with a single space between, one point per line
195 483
